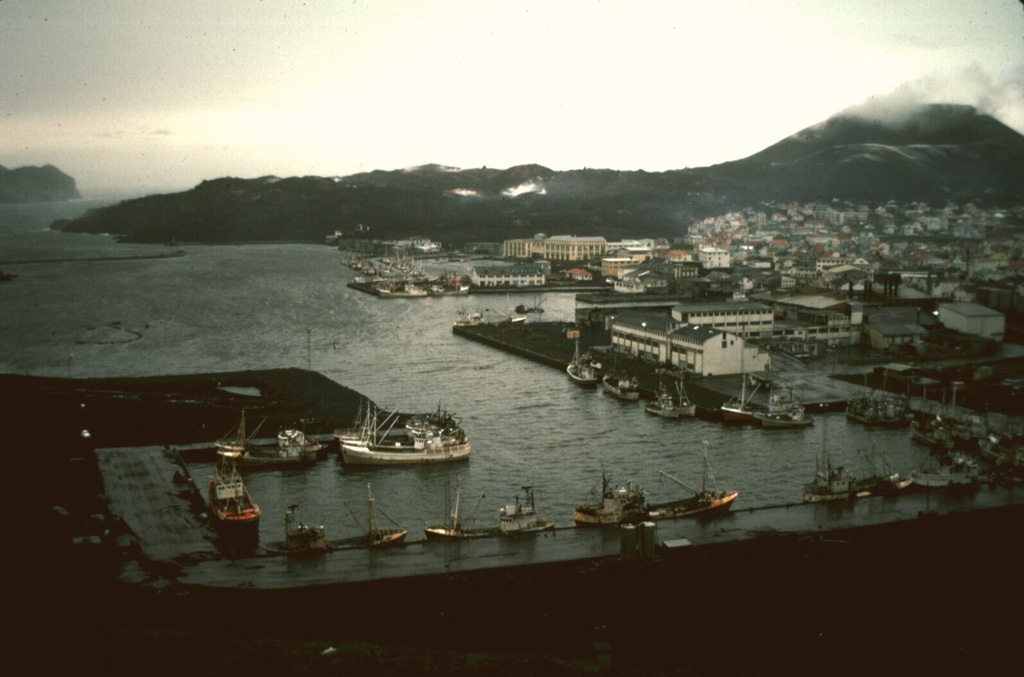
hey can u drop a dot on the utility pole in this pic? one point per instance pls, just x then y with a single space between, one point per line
309 349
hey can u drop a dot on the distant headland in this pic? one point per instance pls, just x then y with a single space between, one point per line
36 184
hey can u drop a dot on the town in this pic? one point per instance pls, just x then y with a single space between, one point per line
889 282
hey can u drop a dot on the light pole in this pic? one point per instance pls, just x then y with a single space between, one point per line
309 349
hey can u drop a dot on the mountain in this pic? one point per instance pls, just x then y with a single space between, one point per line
930 153
36 184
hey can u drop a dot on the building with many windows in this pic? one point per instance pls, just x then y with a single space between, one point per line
695 349
745 318
516 275
556 248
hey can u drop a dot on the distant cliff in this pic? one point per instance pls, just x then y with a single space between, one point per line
36 184
933 153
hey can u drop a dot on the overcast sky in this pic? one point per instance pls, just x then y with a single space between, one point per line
140 96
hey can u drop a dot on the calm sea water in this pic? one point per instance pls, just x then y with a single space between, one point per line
226 308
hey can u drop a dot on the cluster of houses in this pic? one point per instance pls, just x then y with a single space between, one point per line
799 278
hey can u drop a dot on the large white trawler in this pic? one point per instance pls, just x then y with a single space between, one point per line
425 438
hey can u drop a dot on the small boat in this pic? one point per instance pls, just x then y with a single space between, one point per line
522 518
625 504
880 409
830 483
947 470
582 369
884 482
376 535
934 433
783 414
234 512
293 448
623 387
468 319
302 539
452 527
737 411
667 407
703 502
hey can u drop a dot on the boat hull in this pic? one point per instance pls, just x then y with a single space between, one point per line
363 455
583 381
448 534
768 421
731 416
693 507
625 395
597 518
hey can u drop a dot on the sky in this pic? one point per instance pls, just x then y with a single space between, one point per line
139 96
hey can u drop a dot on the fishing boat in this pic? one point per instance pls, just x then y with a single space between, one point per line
668 407
738 410
934 432
612 506
521 518
302 539
452 527
426 438
878 408
535 308
234 512
885 481
238 439
947 470
353 432
377 536
704 502
467 319
783 413
293 449
623 387
582 369
831 483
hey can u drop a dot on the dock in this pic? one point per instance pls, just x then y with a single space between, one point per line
548 343
164 514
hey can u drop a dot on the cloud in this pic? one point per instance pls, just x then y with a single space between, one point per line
1001 97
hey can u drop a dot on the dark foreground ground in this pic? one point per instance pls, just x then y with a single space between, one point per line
941 595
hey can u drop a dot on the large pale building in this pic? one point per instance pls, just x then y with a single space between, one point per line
972 318
556 248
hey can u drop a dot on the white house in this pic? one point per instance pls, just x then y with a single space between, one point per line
712 257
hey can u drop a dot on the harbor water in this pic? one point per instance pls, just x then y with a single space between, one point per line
232 308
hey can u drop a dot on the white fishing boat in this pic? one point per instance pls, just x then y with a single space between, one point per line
426 438
521 518
831 483
623 387
582 369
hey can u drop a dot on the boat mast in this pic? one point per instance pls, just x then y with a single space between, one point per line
374 527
